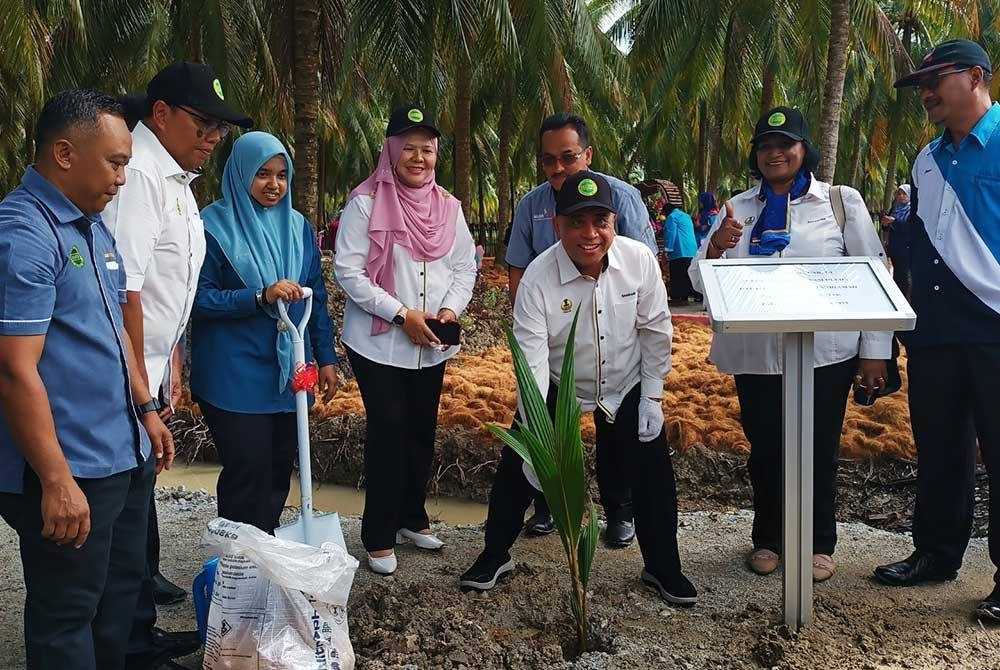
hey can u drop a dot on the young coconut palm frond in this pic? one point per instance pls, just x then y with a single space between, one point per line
555 451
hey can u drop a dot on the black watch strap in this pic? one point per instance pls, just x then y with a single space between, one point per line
153 405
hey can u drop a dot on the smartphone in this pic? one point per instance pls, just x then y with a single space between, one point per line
448 333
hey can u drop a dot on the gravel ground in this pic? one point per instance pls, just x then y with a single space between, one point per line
419 618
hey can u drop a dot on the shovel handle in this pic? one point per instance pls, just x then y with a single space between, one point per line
298 332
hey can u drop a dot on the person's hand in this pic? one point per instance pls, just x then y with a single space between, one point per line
328 382
65 512
161 440
886 219
285 289
729 232
445 315
650 419
871 375
415 327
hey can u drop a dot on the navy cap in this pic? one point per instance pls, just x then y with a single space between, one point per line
582 190
194 85
409 117
947 55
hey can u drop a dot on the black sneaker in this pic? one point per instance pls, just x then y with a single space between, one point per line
166 592
540 523
486 571
989 608
676 589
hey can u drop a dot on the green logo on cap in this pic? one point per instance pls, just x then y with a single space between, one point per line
587 188
776 119
415 115
75 257
217 85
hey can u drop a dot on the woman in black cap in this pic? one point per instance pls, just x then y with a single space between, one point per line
406 260
793 214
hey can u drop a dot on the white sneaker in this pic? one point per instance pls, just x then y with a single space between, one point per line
382 565
430 542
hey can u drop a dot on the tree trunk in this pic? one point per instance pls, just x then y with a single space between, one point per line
701 178
716 149
463 133
305 78
560 75
767 89
479 187
505 194
856 152
894 117
833 91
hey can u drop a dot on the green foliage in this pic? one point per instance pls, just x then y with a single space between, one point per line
555 452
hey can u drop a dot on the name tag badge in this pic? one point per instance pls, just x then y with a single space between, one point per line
111 265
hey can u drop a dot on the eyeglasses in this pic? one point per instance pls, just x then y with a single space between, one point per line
207 126
566 159
931 82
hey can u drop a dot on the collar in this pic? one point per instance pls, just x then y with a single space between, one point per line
50 196
817 189
145 140
981 132
568 270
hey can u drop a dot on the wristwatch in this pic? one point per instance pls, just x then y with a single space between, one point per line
258 297
153 405
400 317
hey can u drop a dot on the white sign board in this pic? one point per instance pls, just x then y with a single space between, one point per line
787 295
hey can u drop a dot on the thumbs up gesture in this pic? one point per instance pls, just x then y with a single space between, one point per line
729 231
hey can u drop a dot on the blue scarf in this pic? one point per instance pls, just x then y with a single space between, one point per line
263 244
773 231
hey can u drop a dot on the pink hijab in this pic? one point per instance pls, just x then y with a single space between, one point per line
420 219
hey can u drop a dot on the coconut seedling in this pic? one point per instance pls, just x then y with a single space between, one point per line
554 449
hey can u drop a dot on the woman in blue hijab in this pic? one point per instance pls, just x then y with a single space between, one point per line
258 250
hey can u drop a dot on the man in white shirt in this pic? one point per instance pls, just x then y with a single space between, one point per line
622 350
160 236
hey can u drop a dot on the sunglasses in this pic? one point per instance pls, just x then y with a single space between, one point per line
931 82
566 159
207 126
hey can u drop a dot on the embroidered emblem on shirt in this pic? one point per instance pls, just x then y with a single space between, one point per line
749 221
567 305
75 257
628 295
179 210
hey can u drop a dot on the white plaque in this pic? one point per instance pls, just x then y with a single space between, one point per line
803 295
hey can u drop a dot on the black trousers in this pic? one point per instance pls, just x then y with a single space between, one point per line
901 273
761 413
79 602
257 452
953 399
401 408
649 473
680 283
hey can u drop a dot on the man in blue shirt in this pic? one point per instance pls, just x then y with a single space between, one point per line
954 352
680 245
76 428
564 150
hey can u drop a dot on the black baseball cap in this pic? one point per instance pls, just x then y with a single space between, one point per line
949 54
582 190
409 117
194 85
782 121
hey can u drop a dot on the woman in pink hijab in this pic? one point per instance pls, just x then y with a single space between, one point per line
406 260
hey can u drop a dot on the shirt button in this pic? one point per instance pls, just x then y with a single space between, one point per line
421 295
937 288
936 261
602 337
604 381
600 311
954 162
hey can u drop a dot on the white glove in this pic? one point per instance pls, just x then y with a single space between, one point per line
650 419
529 472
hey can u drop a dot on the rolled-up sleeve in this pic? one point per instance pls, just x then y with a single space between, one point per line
29 263
349 264
633 218
463 269
136 220
860 239
655 330
519 251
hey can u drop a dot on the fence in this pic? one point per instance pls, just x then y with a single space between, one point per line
489 234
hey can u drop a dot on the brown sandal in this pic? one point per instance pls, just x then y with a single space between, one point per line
763 561
823 567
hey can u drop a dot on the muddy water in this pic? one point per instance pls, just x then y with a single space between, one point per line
327 497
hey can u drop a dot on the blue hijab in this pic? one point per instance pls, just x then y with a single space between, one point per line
773 231
263 244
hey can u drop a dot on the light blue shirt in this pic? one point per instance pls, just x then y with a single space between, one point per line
533 230
678 235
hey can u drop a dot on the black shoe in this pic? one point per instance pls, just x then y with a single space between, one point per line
176 643
918 567
166 592
539 524
619 534
989 608
676 589
485 572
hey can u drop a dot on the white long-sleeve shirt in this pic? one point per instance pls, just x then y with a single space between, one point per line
814 233
623 334
446 283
